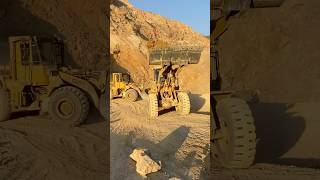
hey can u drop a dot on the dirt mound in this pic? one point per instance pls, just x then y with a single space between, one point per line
81 24
275 51
132 31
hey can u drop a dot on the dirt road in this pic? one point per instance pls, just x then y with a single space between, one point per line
35 148
180 142
287 146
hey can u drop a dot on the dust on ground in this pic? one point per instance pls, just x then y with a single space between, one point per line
37 147
181 143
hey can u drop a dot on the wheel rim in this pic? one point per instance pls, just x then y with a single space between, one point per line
129 96
65 108
223 143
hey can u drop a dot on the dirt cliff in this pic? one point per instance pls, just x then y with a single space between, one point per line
133 30
81 24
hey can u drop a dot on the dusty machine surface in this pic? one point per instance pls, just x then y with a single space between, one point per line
121 86
37 79
165 91
233 134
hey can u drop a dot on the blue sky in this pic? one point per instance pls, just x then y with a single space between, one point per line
195 13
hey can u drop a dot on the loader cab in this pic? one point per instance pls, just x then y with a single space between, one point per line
31 57
120 80
120 77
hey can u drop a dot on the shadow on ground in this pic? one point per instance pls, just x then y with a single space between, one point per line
278 130
197 103
164 151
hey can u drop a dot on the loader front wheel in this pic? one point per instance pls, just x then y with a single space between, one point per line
69 104
153 106
183 107
131 95
236 145
5 109
111 95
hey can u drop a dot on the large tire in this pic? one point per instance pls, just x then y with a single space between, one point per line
69 104
111 95
183 107
5 109
131 95
237 147
153 106
103 106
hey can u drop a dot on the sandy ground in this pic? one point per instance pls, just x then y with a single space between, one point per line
36 148
181 143
287 147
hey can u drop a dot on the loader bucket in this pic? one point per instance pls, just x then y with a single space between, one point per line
180 55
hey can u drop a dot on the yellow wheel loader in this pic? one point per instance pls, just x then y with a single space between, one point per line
121 86
233 134
36 78
165 91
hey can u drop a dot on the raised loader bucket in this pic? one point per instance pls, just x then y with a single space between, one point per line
180 55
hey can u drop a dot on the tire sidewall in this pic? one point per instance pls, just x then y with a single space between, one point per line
62 93
5 110
183 107
133 95
153 106
235 113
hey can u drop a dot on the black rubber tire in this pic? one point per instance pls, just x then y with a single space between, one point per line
131 95
103 109
110 95
153 106
184 104
5 110
74 96
238 149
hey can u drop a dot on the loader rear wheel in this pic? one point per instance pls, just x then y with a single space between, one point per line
153 106
236 147
5 109
183 107
131 95
69 104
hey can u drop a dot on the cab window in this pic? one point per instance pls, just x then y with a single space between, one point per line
36 60
25 53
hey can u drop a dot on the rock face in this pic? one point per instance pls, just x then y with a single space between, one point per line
145 165
274 51
81 24
133 31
